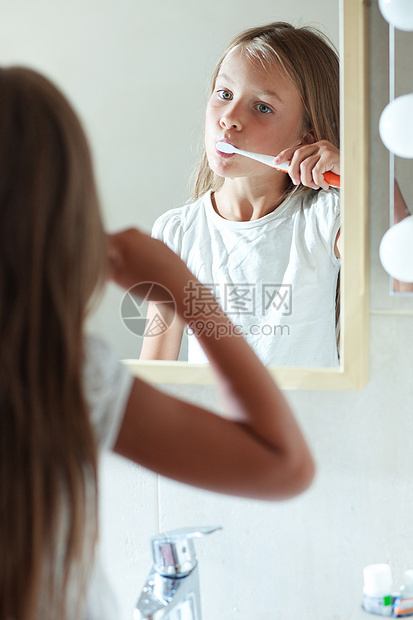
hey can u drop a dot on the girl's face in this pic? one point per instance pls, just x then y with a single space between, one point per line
254 108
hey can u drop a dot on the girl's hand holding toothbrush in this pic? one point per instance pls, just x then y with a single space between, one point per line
308 163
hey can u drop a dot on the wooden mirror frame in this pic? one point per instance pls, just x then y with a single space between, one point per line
353 371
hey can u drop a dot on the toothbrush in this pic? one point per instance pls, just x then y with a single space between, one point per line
332 179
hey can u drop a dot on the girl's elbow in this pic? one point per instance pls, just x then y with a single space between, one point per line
303 474
297 475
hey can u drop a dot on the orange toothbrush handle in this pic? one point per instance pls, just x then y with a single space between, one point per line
332 179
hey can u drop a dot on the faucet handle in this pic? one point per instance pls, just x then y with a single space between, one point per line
186 532
174 552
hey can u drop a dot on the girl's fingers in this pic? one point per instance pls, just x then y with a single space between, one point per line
285 155
114 257
307 167
318 176
309 162
312 173
302 163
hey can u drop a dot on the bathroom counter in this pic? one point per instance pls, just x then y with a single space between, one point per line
360 614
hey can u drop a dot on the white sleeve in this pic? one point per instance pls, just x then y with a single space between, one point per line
107 385
168 228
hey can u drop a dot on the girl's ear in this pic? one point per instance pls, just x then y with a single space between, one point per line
309 137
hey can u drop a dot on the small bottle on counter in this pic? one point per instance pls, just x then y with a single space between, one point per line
403 605
377 591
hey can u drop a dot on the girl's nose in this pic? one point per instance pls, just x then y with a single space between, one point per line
230 121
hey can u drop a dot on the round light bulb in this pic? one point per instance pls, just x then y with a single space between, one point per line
396 250
396 126
399 13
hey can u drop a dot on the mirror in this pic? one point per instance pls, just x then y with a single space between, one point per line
353 371
138 75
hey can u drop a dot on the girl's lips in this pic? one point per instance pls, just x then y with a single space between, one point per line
225 155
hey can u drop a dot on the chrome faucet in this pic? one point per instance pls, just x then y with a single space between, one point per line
171 590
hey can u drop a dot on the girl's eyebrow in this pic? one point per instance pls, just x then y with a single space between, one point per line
264 92
270 93
224 76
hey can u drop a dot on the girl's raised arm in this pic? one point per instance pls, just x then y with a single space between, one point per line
257 450
166 345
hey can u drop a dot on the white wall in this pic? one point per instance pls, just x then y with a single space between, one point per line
303 559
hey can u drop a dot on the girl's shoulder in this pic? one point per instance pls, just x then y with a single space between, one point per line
107 384
175 223
323 202
321 211
319 208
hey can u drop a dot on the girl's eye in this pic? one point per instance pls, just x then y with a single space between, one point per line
224 94
261 107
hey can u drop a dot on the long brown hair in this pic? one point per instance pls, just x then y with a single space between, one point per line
52 255
311 62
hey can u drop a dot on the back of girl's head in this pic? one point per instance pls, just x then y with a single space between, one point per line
52 255
309 60
51 236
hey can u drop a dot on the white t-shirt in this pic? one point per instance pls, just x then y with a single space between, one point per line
275 277
107 385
